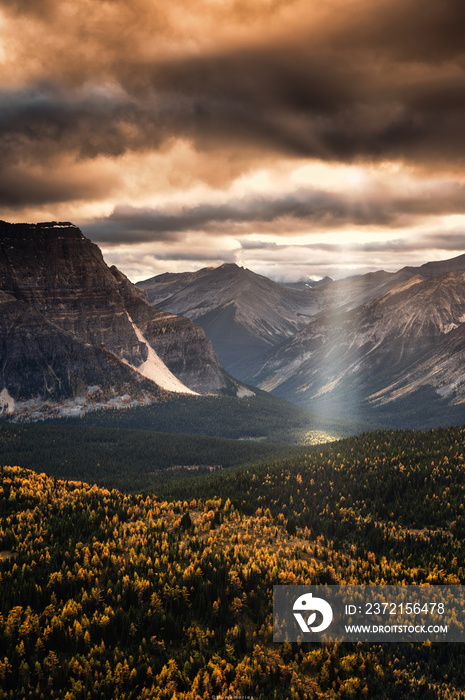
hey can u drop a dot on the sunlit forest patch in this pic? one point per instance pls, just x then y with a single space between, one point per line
105 594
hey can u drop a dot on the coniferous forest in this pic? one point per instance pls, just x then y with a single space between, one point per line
167 592
232 348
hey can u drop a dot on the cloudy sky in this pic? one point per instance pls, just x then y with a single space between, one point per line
294 137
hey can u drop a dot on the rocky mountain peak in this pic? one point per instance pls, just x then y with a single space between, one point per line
69 321
229 266
48 229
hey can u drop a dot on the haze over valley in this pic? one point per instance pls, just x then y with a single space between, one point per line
232 344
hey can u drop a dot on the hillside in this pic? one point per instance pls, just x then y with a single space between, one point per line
107 595
350 360
131 460
258 417
242 313
397 492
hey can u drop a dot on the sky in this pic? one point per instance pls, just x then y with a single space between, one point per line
298 138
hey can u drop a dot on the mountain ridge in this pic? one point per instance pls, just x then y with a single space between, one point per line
71 324
377 335
372 350
242 313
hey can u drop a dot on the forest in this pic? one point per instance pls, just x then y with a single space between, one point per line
167 593
131 460
260 416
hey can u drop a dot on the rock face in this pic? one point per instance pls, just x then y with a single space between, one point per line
38 359
245 315
54 269
69 322
181 344
406 339
361 344
242 313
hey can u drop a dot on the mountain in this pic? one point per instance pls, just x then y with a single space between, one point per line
306 284
441 368
40 362
245 315
409 338
242 313
437 268
350 347
73 329
351 292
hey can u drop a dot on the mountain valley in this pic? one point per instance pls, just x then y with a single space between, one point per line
350 348
163 588
76 335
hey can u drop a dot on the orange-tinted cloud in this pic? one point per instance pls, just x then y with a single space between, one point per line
243 83
301 209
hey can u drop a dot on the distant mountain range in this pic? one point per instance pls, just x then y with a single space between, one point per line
374 351
378 349
306 284
75 333
372 344
242 313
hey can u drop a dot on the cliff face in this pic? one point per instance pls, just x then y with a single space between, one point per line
69 322
181 344
57 271
47 371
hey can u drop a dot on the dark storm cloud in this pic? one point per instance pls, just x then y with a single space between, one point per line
363 82
361 89
20 189
282 107
40 122
408 29
129 224
27 6
330 105
311 207
47 120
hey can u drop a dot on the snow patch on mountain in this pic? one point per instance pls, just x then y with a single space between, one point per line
243 393
7 402
155 369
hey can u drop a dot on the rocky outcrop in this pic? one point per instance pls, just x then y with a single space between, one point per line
181 344
41 366
69 322
56 270
406 339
